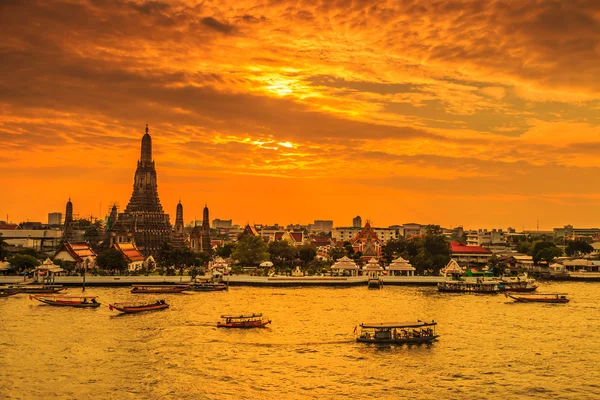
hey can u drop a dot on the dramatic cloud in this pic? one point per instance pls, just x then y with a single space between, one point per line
465 112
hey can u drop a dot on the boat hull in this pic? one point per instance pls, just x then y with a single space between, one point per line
7 294
419 340
68 304
208 288
133 310
243 325
158 290
539 300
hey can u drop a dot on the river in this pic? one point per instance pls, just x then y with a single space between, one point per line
489 347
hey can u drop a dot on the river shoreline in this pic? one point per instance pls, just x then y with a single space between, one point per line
263 281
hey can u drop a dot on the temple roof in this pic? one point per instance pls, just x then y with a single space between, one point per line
130 251
78 250
250 230
366 235
344 263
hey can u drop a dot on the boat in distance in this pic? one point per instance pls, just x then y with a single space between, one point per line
557 298
207 287
243 321
139 306
158 289
7 293
35 289
397 332
67 301
461 286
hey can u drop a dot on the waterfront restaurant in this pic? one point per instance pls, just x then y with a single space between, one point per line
345 266
399 266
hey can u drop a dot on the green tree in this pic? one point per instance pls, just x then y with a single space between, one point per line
337 252
430 252
349 249
23 262
548 254
282 254
578 248
202 258
250 250
30 252
112 260
225 250
3 250
394 248
540 252
92 234
307 254
524 247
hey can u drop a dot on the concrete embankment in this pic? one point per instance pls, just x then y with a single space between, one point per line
264 281
236 280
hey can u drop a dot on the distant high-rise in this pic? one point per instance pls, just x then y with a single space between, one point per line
357 222
144 221
222 223
55 218
321 225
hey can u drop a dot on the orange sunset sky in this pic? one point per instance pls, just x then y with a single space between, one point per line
480 113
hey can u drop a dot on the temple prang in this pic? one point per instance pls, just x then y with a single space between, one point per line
143 221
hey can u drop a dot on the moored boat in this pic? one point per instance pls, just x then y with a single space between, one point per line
460 286
138 306
67 301
538 297
207 287
375 283
158 289
517 284
36 289
397 332
7 293
243 321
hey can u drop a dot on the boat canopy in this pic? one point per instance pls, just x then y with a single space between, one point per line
379 325
242 316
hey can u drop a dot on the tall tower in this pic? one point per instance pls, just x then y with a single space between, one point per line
68 229
144 221
357 222
178 236
206 246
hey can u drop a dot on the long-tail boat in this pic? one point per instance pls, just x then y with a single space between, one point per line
207 287
36 289
243 321
460 286
7 293
67 301
539 297
139 306
397 332
158 289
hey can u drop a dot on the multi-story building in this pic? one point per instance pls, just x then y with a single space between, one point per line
568 232
222 224
55 218
412 229
483 237
321 226
357 222
343 234
470 255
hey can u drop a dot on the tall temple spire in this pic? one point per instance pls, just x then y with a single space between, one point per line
68 228
144 221
205 235
178 236
146 156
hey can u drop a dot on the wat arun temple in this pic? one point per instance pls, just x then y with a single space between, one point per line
144 223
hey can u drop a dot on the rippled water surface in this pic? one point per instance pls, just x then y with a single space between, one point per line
488 348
